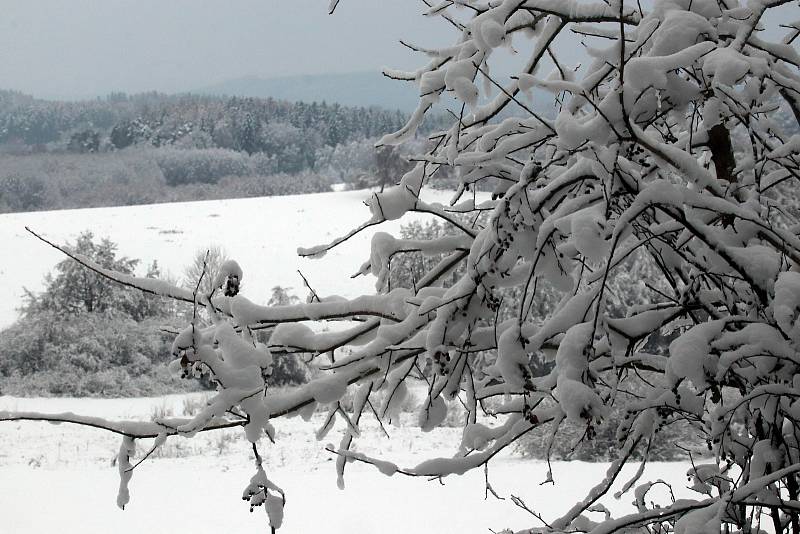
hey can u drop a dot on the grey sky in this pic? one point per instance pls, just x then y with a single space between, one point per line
84 48
88 47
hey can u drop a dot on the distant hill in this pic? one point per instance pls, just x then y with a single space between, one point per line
351 89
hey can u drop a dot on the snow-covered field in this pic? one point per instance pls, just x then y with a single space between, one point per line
262 234
61 479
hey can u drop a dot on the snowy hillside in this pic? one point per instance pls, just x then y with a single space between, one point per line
262 234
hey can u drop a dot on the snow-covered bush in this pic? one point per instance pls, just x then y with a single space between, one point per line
639 157
85 335
672 442
137 176
360 164
104 354
200 165
21 193
58 181
273 185
71 289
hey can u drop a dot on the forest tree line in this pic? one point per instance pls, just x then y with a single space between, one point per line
190 121
123 150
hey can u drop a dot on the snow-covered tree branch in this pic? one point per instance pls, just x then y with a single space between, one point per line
666 143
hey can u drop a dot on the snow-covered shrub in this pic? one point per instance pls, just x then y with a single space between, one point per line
674 439
200 165
274 185
71 289
85 335
58 181
639 157
98 355
133 176
361 165
21 193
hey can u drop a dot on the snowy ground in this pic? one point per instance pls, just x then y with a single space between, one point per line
262 234
61 478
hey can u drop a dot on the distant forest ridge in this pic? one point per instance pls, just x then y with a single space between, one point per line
245 124
145 148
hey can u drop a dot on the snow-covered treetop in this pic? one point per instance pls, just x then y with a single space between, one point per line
671 142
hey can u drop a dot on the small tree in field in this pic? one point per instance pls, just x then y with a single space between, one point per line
75 290
203 269
666 144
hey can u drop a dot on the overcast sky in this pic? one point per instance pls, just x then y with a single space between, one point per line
85 48
57 48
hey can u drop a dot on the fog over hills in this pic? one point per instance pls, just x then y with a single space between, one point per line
354 89
349 89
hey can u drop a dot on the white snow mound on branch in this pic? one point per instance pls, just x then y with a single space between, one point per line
786 303
725 66
578 401
690 355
